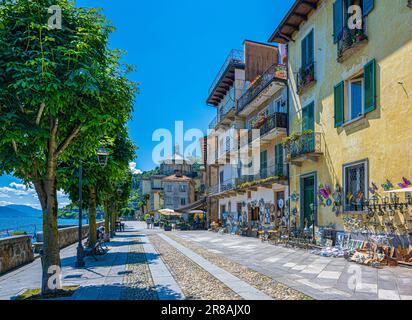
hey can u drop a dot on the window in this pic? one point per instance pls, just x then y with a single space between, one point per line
307 47
279 160
169 188
182 188
360 96
341 15
308 117
183 201
264 164
355 99
355 184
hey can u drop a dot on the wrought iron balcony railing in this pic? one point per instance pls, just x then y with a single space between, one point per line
305 77
350 39
224 186
214 122
223 111
305 144
235 56
271 171
276 71
277 120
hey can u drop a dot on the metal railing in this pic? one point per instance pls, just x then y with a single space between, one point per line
305 144
235 56
276 170
275 120
306 76
224 186
276 71
350 37
222 112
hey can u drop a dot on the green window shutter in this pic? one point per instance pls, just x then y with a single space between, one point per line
308 117
370 86
264 159
337 20
339 93
368 6
311 52
279 160
304 49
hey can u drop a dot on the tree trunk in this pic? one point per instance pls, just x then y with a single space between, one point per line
47 193
106 216
92 216
114 217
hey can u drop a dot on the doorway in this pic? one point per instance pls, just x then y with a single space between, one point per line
308 200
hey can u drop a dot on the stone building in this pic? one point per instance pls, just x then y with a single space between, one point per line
178 190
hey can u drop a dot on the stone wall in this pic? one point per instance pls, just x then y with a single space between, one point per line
15 252
68 236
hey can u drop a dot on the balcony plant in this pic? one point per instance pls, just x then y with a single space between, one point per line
260 121
296 136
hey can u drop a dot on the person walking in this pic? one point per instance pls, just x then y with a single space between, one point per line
152 222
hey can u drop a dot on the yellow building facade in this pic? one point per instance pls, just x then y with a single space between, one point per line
350 105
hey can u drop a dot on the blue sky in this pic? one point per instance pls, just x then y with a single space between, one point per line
178 47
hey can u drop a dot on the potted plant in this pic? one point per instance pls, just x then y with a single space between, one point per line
168 226
261 121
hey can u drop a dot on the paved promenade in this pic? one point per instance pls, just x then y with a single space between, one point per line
150 264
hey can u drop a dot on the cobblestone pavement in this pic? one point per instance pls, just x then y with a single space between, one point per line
138 280
147 264
196 283
261 282
319 277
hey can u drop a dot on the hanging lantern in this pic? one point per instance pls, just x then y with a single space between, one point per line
102 155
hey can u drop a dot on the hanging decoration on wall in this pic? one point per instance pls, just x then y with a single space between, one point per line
324 194
405 183
337 199
388 186
294 197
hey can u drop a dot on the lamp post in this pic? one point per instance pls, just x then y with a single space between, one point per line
80 250
102 155
313 207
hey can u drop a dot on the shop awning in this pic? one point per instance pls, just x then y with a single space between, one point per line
198 205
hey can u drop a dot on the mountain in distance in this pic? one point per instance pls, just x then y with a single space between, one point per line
20 210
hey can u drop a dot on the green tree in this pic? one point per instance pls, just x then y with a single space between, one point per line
59 90
95 176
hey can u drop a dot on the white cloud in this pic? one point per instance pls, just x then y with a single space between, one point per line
5 203
20 194
132 166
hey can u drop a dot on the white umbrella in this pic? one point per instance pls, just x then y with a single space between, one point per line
166 211
169 212
197 212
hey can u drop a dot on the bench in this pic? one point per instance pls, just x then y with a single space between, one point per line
120 226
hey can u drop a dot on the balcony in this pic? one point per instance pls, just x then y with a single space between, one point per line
272 174
223 188
302 147
306 78
225 115
270 127
277 73
226 77
350 42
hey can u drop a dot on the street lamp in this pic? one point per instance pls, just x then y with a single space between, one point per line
80 250
103 156
313 207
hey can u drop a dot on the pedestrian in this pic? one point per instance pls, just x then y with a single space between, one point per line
148 221
152 222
